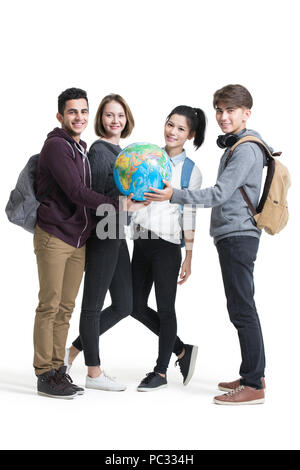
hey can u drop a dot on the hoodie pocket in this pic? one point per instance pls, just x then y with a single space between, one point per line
225 215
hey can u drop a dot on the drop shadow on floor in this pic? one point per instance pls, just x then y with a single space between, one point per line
14 382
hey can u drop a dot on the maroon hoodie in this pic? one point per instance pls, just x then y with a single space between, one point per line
64 167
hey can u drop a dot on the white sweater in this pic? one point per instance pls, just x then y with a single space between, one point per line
165 219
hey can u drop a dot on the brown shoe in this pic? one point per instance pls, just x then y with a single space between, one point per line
242 395
228 386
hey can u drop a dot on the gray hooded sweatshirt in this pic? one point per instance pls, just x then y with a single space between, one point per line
231 215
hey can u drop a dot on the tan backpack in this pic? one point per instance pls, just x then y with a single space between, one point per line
272 212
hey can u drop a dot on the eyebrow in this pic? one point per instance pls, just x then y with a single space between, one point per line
111 112
74 109
184 127
226 107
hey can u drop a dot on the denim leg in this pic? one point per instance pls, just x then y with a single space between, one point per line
101 261
166 265
120 291
237 256
162 259
146 315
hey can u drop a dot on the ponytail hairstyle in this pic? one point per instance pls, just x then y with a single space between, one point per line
196 121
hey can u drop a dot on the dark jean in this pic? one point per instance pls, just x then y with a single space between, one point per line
237 256
158 261
108 268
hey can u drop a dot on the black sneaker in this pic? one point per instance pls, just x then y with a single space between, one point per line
49 385
187 362
63 377
152 381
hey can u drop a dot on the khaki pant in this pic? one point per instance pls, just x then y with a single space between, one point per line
60 269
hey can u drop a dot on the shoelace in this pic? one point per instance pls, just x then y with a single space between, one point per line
68 378
56 383
148 377
109 377
236 390
63 379
176 364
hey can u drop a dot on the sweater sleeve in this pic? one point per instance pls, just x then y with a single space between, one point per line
228 182
60 162
98 169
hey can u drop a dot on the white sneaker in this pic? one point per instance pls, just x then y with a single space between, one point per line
66 360
104 382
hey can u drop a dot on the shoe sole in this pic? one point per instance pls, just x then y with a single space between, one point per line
151 389
192 365
252 402
67 397
106 389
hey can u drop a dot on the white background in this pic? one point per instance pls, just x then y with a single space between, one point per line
157 55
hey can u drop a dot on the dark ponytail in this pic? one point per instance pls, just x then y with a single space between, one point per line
196 119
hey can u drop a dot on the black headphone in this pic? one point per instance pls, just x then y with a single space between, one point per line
227 140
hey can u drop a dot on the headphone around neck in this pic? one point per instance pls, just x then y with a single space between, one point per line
227 140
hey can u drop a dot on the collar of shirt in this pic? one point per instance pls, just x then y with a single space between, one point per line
179 158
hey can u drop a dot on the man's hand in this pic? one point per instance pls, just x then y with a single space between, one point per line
131 206
160 194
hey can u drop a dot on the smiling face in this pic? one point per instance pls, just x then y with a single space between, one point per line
232 119
75 117
113 120
176 132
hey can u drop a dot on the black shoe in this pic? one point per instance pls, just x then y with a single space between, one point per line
187 362
48 384
152 381
63 377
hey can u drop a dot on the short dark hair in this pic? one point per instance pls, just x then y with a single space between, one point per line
99 129
233 95
70 94
196 120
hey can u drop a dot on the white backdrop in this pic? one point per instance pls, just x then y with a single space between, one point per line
157 55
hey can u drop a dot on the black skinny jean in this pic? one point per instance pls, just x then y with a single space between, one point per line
158 261
108 268
237 256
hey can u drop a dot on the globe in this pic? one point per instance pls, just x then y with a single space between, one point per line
139 166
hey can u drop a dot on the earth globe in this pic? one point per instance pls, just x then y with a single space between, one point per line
139 166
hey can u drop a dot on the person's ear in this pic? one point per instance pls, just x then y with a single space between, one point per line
59 117
247 114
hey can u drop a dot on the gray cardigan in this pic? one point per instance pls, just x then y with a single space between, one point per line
102 157
231 215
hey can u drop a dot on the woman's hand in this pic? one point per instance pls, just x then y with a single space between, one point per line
160 194
131 206
186 270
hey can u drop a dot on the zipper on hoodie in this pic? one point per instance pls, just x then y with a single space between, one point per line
84 181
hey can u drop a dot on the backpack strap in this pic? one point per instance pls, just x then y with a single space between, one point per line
186 172
52 186
270 172
256 140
